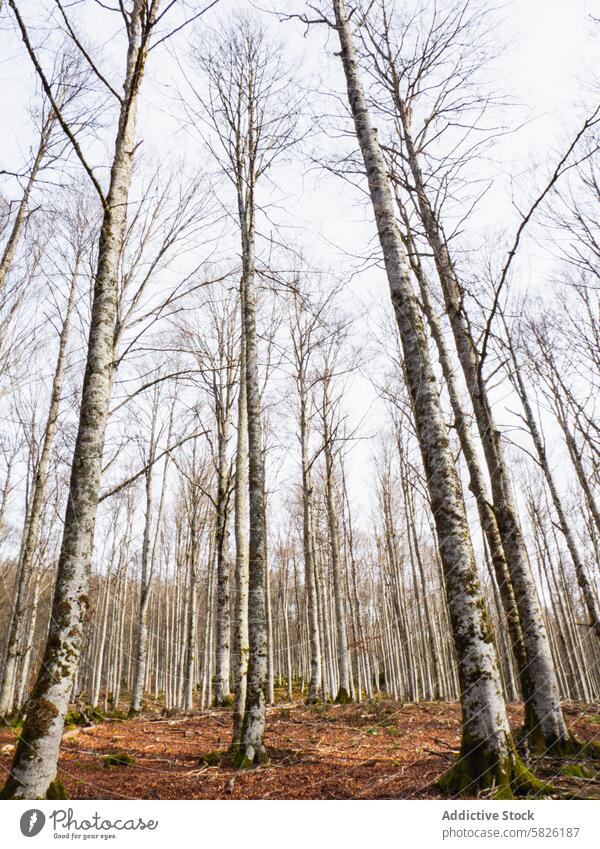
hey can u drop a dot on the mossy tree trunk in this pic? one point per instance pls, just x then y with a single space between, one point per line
477 482
251 750
487 757
241 520
33 770
544 721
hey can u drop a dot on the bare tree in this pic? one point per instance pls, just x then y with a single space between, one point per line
487 752
33 772
251 121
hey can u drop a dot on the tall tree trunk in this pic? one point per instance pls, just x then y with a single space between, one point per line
223 636
316 672
99 661
33 770
343 693
137 693
192 620
487 754
32 525
241 507
252 750
580 571
477 483
544 721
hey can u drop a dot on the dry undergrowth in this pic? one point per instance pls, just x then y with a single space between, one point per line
379 750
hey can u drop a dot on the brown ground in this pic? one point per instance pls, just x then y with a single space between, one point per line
380 750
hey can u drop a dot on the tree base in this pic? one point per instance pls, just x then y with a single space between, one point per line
574 748
481 771
247 757
561 748
56 790
343 697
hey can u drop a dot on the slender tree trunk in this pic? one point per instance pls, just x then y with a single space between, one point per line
286 628
580 570
252 750
582 477
99 663
343 692
33 771
16 232
192 621
477 483
241 507
544 721
363 649
29 639
487 752
270 656
223 636
32 525
316 672
145 594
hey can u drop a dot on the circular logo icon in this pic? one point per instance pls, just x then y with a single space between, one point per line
32 822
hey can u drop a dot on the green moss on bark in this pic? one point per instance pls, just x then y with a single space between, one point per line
343 697
478 769
562 748
56 790
245 757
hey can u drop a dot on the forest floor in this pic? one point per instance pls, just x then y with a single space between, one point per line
375 750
